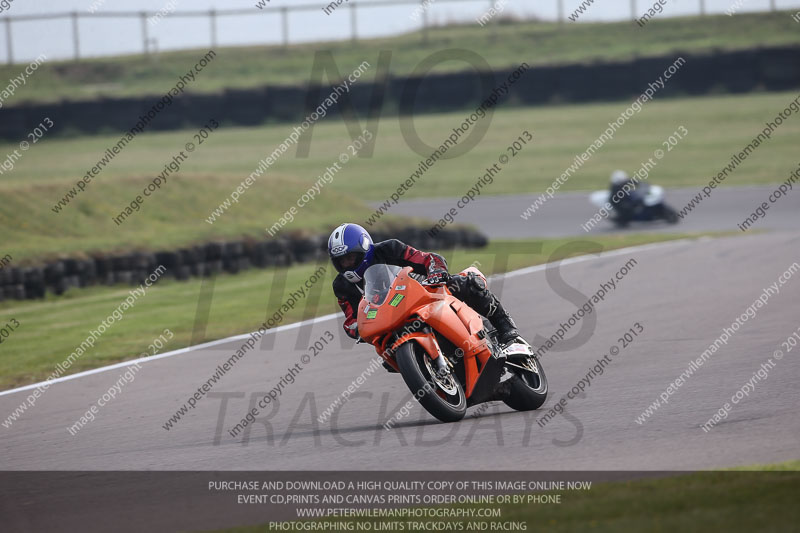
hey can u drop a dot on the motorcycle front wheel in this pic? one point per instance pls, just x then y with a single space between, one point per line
441 395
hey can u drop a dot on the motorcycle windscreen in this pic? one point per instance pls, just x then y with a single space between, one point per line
378 281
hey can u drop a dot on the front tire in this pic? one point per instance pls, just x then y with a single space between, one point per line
442 398
620 221
527 390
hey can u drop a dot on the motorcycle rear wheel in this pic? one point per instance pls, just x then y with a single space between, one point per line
527 390
670 215
443 398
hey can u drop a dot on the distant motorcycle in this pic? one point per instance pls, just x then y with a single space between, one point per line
649 206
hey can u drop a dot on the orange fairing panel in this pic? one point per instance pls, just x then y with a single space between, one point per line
426 340
389 317
468 316
457 322
401 302
436 307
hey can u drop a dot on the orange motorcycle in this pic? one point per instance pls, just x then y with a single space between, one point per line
446 352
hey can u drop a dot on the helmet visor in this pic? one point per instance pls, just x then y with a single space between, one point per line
349 261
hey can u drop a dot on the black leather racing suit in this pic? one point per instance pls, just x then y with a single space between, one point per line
627 203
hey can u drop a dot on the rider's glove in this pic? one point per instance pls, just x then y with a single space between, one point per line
437 277
352 331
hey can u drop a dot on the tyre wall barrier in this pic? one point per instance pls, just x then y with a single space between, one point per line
232 257
721 71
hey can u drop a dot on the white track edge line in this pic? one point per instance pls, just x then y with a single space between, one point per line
165 354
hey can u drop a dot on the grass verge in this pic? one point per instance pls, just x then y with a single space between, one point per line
176 214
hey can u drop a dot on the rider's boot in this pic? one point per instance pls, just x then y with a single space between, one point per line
505 326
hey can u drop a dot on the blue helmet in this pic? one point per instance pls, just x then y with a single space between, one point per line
351 239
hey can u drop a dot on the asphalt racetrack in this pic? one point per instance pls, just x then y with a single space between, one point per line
682 294
562 216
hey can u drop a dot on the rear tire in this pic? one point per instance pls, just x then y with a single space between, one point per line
438 402
527 391
670 215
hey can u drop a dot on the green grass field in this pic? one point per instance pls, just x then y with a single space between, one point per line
503 45
757 498
239 304
176 214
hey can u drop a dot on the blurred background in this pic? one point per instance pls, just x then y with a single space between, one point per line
92 28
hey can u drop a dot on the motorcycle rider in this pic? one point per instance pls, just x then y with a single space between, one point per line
623 195
352 251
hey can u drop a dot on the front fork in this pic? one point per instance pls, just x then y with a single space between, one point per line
441 365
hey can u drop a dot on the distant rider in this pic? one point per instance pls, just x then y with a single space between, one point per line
623 195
